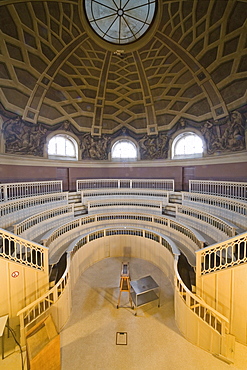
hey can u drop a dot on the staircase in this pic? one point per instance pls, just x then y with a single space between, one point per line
170 209
175 198
79 207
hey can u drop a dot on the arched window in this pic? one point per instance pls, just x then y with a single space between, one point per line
187 145
124 149
62 146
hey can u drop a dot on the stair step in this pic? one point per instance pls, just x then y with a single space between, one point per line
175 198
169 210
74 198
80 214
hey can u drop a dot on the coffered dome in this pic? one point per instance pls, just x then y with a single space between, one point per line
190 64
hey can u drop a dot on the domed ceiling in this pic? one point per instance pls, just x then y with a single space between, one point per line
190 65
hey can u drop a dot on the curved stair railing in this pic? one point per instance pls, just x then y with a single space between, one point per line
201 324
212 323
220 256
35 311
19 250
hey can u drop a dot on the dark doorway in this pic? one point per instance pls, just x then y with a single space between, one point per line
63 174
188 173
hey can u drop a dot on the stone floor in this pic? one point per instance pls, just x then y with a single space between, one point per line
88 340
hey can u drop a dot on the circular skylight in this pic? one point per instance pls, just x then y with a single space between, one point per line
120 21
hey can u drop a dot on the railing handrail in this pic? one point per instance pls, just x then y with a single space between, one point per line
130 201
229 229
230 189
70 256
228 241
194 235
125 190
31 182
19 190
225 251
219 182
50 291
218 198
49 213
36 198
19 243
199 299
168 184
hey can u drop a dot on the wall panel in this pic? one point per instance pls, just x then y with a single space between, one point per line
70 173
226 291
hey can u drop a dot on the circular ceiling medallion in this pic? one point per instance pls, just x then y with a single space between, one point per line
120 21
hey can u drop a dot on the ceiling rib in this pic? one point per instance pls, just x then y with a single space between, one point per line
31 112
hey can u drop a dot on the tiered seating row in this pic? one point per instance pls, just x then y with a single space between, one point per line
16 210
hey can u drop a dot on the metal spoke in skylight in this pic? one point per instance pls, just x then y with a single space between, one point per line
120 21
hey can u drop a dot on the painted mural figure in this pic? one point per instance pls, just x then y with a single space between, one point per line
21 138
92 148
210 137
155 147
162 142
12 132
143 145
37 139
233 136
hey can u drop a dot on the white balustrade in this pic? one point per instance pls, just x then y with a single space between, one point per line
162 184
229 189
16 249
15 210
217 326
230 253
230 209
39 307
43 221
65 233
20 190
125 205
217 228
207 328
161 195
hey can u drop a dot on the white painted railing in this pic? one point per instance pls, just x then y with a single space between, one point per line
65 233
16 249
202 314
230 253
230 209
88 195
217 228
43 221
15 210
20 190
162 184
39 307
207 327
229 189
183 229
125 205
